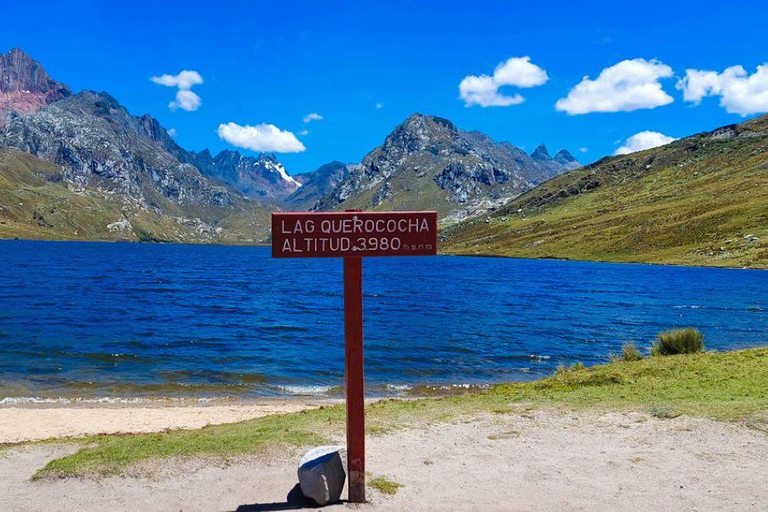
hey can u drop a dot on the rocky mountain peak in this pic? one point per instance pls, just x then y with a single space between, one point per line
316 184
268 157
422 133
541 153
153 129
564 157
420 125
262 176
24 84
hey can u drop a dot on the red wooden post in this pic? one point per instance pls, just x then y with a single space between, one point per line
353 334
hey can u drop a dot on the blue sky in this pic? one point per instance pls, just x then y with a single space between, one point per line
275 62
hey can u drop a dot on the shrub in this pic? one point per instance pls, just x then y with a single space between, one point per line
630 353
678 341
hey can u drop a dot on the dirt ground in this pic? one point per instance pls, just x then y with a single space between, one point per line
545 460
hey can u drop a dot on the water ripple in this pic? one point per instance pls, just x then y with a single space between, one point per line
115 320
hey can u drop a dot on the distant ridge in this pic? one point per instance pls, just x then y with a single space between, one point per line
701 200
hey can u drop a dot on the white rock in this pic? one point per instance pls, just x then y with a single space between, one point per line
321 474
120 226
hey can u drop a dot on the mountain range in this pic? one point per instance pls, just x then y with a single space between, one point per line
80 166
66 147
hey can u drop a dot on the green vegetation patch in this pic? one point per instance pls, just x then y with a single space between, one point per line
384 485
726 386
109 455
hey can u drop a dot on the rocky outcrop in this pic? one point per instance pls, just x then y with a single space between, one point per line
25 86
99 144
21 73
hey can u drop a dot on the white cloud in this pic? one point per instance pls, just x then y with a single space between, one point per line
483 90
379 106
644 140
262 137
185 98
624 87
740 93
312 117
184 80
172 132
583 150
304 132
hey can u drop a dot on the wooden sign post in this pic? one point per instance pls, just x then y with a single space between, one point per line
352 235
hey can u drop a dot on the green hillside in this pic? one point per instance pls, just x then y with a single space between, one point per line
36 203
702 200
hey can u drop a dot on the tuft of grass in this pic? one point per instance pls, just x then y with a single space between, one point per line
384 485
561 369
678 341
726 386
508 434
630 353
664 413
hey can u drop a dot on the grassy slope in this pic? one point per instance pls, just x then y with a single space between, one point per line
408 194
726 386
36 204
691 203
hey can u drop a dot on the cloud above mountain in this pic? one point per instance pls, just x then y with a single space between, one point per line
629 85
186 100
644 140
314 116
740 93
262 137
483 90
183 82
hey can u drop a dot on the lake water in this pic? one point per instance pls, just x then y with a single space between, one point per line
124 321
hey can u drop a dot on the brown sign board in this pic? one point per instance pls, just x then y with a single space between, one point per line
344 234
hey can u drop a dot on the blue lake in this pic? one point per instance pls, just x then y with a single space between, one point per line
108 320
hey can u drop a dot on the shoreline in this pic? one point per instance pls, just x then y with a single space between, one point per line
158 402
664 432
307 393
439 253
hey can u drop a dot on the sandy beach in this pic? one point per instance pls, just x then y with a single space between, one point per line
38 422
542 460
